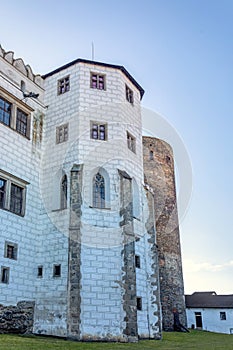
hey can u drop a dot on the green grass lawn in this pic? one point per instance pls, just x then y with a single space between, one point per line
193 340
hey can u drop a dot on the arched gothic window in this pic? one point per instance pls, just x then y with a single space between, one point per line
63 193
98 191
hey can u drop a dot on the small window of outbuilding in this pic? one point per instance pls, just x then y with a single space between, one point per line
223 316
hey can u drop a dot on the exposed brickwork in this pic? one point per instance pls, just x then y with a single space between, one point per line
74 281
128 253
17 319
154 289
159 174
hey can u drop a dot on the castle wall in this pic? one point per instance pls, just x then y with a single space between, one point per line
19 165
96 272
90 271
159 174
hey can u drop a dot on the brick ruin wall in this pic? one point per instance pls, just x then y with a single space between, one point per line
159 174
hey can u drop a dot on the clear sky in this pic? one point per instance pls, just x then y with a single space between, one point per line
181 52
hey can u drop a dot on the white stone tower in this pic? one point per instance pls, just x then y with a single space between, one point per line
78 254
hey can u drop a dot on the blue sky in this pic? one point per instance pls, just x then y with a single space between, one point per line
181 52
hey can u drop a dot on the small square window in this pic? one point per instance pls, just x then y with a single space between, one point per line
57 270
98 131
131 141
223 316
129 94
5 274
137 261
139 303
11 250
40 271
98 81
63 85
62 133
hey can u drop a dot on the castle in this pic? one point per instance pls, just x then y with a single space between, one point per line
90 246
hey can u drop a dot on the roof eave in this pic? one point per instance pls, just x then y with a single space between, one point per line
80 60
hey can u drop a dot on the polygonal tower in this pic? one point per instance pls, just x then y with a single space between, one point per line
160 175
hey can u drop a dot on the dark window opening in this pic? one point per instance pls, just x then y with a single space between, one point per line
128 94
63 85
223 316
56 270
137 261
98 131
97 81
131 141
198 317
5 272
40 271
11 250
139 303
151 155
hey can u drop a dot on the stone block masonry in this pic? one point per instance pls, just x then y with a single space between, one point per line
159 175
74 278
154 312
128 254
17 319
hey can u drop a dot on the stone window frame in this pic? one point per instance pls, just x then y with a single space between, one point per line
98 81
106 201
62 133
137 261
18 109
98 130
5 274
40 271
56 270
11 250
223 315
63 85
13 195
129 94
131 142
139 303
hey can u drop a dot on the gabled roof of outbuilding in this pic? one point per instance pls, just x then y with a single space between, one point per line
109 65
208 300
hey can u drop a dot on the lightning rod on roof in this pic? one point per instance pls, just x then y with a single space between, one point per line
92 51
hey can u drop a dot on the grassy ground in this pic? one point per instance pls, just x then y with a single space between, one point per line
193 340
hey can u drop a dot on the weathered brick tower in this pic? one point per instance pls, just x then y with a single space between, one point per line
159 174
